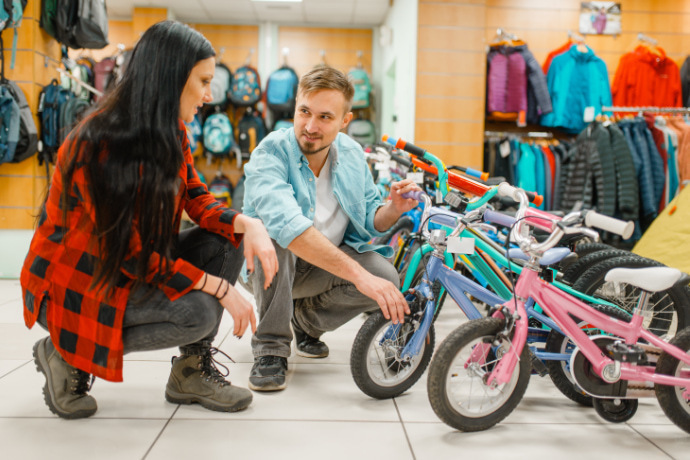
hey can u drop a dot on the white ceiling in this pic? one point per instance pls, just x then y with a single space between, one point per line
350 13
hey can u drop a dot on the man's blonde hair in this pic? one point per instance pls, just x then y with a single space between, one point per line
324 77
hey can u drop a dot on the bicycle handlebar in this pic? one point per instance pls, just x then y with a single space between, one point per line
609 224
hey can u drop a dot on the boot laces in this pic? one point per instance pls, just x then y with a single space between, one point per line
209 366
81 382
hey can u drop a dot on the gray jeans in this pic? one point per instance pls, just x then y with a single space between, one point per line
158 322
322 301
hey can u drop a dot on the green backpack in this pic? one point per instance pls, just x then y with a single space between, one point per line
362 84
48 15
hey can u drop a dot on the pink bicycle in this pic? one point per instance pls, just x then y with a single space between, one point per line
481 371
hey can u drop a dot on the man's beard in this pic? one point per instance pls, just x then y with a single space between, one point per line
308 148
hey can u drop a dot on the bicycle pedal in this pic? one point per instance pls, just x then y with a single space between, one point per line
627 353
538 366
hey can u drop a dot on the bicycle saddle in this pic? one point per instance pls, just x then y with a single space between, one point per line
550 257
653 279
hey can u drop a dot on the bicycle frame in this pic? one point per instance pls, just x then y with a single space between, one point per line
559 306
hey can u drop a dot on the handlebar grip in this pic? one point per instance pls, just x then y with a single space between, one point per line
609 224
478 174
415 194
403 145
443 216
507 190
534 198
498 218
401 160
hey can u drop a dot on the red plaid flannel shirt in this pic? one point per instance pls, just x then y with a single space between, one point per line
85 327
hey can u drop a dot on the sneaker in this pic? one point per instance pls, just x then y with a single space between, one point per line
268 373
308 346
194 378
66 386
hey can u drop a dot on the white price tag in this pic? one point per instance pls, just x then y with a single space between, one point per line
589 114
458 245
417 177
504 149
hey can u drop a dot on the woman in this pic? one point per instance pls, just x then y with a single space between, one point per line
107 272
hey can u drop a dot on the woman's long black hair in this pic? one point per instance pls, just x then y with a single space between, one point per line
131 150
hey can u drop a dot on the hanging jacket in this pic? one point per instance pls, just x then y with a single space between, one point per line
582 176
557 52
538 97
643 168
685 82
576 80
628 206
644 78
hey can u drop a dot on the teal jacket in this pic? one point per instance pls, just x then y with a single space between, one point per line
576 80
281 191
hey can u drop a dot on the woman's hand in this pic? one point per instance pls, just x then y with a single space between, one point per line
241 311
257 243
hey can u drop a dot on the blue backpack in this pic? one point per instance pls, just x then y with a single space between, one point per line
218 134
245 89
250 130
194 133
281 91
11 13
360 80
9 125
52 99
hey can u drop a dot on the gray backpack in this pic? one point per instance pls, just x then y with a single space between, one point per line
82 23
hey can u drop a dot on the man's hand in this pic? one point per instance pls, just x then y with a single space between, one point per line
386 294
399 203
257 243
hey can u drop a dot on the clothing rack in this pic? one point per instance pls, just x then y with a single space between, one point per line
530 134
646 109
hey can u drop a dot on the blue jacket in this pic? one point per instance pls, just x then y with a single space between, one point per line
576 80
281 191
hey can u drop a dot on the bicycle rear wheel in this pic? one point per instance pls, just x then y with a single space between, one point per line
456 384
670 398
667 311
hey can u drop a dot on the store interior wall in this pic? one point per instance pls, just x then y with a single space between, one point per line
434 96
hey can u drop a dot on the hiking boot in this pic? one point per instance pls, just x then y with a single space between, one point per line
308 346
268 373
66 386
194 378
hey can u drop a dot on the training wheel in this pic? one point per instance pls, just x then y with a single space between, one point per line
615 410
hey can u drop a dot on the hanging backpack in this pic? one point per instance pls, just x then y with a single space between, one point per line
11 13
82 23
221 188
220 85
218 134
280 124
102 73
71 113
245 89
194 134
51 99
27 144
363 131
362 84
9 125
250 130
48 17
281 91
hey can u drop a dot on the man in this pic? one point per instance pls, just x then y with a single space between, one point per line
311 187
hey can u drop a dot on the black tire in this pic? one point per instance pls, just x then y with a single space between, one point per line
670 398
558 370
578 268
615 410
446 378
373 363
584 249
400 230
667 312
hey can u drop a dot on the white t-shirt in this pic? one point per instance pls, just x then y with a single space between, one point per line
329 217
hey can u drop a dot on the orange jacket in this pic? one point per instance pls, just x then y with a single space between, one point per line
644 78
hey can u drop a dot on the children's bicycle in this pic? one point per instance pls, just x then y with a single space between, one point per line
481 371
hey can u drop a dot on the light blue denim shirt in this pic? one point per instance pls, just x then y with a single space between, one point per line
280 189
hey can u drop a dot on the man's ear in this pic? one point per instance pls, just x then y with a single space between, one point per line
346 120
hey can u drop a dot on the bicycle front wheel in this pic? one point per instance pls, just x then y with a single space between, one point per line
456 384
375 359
670 398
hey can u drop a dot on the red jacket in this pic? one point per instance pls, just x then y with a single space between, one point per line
86 327
644 78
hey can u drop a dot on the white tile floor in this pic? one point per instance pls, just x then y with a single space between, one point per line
322 414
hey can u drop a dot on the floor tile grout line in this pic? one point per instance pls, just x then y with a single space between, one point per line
404 428
160 433
651 442
16 368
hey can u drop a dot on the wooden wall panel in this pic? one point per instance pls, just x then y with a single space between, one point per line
22 185
339 45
